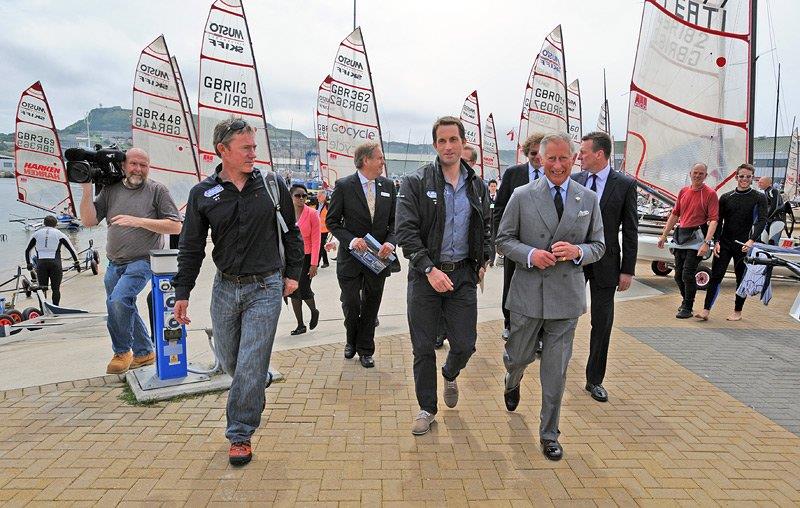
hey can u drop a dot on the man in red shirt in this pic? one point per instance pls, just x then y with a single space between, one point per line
697 208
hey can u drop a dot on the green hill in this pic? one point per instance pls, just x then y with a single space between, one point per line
113 119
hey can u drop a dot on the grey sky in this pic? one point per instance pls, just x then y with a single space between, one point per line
426 56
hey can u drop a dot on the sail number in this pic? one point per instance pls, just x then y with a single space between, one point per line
348 98
30 141
679 43
156 121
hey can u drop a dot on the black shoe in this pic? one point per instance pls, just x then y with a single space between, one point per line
314 319
684 313
439 341
597 392
366 361
377 322
512 398
552 450
349 351
325 265
300 329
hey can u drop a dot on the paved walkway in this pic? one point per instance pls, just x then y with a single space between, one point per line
335 433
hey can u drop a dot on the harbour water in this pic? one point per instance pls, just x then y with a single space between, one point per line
14 238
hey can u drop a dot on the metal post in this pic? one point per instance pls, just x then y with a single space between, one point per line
751 121
775 139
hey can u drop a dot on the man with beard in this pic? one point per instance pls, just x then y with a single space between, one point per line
139 211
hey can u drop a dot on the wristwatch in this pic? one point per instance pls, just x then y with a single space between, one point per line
428 270
710 243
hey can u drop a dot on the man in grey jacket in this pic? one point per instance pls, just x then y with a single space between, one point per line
550 228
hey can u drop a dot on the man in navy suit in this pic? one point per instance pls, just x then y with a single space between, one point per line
614 271
362 203
513 177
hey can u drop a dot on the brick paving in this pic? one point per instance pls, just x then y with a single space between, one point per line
336 434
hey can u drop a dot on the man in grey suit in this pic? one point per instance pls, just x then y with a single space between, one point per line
550 228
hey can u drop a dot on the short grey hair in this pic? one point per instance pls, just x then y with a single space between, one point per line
474 157
223 134
703 164
363 151
557 136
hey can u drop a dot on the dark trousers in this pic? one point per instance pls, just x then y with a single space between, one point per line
49 274
508 272
600 336
718 269
361 299
426 309
686 261
323 254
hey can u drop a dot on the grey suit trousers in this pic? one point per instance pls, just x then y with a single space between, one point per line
556 352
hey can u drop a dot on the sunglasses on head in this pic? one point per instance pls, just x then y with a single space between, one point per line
235 126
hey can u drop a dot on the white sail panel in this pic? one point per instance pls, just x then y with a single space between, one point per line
352 108
229 85
547 111
187 108
471 118
522 133
602 119
159 123
574 113
323 99
790 185
40 172
491 155
689 93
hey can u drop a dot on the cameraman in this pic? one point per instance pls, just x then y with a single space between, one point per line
138 212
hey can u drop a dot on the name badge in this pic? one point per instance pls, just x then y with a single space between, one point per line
210 193
385 194
431 194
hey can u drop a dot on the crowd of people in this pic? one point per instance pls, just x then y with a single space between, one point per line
554 232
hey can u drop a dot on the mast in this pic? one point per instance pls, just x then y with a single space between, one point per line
258 86
605 104
775 138
564 71
751 120
374 97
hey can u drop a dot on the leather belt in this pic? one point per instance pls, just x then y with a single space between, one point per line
452 266
246 279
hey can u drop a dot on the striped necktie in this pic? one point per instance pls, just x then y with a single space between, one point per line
371 198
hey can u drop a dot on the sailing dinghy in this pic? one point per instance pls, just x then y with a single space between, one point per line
491 155
471 118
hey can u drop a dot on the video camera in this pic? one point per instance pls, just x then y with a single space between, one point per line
100 166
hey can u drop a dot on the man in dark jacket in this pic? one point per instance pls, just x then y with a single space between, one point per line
443 225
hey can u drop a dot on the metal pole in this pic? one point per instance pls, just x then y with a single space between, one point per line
88 139
751 121
354 14
775 139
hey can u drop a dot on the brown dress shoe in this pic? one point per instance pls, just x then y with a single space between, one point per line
141 361
120 363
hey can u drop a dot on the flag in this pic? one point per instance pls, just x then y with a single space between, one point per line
510 135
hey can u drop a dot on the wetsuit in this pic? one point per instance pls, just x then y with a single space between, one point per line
742 217
48 242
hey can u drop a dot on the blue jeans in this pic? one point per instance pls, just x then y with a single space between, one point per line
244 318
123 284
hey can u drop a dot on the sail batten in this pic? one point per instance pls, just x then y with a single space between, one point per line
352 114
690 96
160 124
39 171
229 84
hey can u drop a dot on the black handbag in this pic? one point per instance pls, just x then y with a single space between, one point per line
682 236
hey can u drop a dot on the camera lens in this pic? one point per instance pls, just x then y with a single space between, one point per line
79 172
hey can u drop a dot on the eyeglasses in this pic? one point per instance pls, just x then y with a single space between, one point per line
237 125
303 196
744 177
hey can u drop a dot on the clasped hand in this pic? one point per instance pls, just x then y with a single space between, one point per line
560 251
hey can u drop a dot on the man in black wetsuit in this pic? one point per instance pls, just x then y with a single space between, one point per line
742 217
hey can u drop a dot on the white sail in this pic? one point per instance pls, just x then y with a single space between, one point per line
689 99
790 185
547 103
522 133
491 155
229 85
187 108
352 109
40 173
604 125
471 118
159 123
323 99
574 112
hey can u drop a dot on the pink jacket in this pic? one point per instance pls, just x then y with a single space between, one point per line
309 229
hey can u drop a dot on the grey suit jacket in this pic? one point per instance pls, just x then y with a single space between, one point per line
530 221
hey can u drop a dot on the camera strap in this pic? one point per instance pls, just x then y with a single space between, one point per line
271 185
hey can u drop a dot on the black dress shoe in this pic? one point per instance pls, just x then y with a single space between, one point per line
377 322
684 313
512 398
349 351
314 319
597 392
325 265
297 331
366 361
439 342
552 450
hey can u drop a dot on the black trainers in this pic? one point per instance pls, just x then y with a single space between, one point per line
684 313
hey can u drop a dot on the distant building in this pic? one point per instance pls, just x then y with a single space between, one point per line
6 166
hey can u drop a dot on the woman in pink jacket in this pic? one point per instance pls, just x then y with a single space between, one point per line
308 222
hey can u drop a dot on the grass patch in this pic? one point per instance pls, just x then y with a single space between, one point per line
127 396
